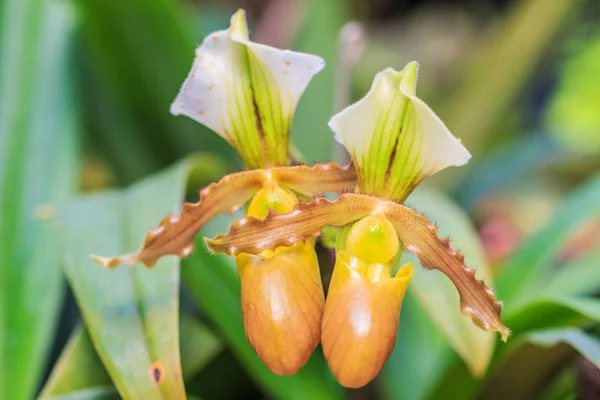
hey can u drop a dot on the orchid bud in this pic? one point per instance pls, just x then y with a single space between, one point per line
363 303
282 294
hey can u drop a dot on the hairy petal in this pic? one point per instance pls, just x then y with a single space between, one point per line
416 233
318 179
394 138
246 92
420 236
175 233
253 235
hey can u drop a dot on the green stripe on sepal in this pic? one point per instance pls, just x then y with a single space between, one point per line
246 92
394 138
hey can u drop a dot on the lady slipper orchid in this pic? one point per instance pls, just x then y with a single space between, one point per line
247 93
363 303
395 141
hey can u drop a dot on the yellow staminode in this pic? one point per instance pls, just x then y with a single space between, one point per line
273 198
373 239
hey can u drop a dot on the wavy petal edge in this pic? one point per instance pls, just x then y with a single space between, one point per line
417 233
175 233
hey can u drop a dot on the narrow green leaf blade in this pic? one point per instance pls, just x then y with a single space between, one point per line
80 372
38 146
131 313
137 54
554 311
529 269
586 344
436 294
79 369
319 35
420 358
577 277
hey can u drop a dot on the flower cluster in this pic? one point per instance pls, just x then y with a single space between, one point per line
247 93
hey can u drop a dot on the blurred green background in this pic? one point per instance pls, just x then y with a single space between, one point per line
91 159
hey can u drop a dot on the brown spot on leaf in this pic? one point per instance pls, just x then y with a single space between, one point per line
157 372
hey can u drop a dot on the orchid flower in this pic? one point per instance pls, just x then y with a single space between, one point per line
247 93
395 141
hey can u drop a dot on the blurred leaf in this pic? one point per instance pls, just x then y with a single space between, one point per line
38 122
213 281
319 36
562 386
525 371
577 277
489 174
457 381
503 64
573 111
587 345
131 313
530 268
138 54
550 312
421 356
437 295
199 346
79 371
108 393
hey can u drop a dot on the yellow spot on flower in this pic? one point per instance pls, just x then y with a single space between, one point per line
373 239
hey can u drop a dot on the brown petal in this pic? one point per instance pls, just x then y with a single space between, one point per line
415 232
282 305
360 322
175 233
420 236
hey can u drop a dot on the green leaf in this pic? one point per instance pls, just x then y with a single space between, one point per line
577 277
587 345
421 356
131 313
38 122
556 311
136 56
319 35
525 370
493 79
437 295
213 281
575 122
199 346
530 268
79 371
108 393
